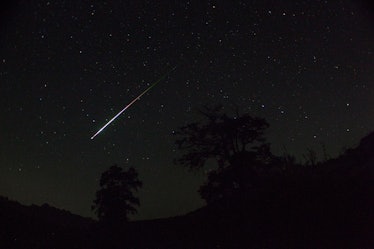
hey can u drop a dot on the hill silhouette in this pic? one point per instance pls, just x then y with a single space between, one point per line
326 205
41 227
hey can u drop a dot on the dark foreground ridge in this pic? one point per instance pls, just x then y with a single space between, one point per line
40 226
329 205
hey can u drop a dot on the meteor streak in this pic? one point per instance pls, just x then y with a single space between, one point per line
132 102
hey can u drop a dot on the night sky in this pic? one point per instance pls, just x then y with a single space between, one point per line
67 67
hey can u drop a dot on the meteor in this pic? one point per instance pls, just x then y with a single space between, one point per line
132 102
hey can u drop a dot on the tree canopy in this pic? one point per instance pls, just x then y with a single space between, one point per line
115 199
221 137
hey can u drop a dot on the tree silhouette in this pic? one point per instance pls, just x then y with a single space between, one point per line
115 199
221 138
236 143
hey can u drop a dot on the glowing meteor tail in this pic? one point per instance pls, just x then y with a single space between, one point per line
132 102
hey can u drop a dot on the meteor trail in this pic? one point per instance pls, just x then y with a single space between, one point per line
132 102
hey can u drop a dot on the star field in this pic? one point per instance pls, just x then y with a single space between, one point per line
67 67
